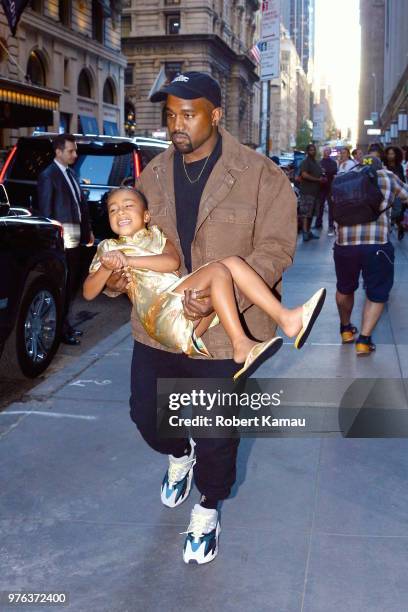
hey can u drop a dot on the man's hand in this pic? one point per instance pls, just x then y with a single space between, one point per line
114 260
118 281
197 304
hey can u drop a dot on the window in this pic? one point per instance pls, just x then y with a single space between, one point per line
66 72
102 168
171 2
126 25
109 94
98 21
84 84
129 75
130 119
173 69
35 69
173 24
36 5
64 12
65 122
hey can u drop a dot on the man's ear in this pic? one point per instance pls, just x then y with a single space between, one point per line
146 216
216 116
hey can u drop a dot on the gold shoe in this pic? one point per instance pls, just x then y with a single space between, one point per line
310 312
349 335
258 355
365 348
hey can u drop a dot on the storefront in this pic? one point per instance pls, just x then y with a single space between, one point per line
24 105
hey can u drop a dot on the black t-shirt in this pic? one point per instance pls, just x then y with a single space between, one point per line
188 195
312 167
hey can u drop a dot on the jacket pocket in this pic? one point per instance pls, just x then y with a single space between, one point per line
229 232
157 210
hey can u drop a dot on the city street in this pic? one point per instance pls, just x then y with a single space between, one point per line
316 524
96 319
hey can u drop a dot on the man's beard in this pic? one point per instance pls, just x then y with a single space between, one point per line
185 147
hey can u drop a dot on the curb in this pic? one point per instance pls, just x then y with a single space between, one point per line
58 380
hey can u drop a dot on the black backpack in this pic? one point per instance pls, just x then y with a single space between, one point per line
356 196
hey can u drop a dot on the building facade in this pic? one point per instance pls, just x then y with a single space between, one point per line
63 71
298 17
323 122
284 94
289 98
164 37
371 93
394 110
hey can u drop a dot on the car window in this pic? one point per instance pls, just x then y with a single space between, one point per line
104 169
148 152
30 160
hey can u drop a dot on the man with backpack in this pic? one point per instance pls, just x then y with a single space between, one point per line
362 201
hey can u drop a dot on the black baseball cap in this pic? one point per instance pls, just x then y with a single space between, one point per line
189 86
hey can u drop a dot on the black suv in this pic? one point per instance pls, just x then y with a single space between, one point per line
103 162
32 290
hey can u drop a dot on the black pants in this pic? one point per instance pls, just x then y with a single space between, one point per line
325 195
74 265
214 472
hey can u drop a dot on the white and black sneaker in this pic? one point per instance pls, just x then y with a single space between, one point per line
201 544
176 483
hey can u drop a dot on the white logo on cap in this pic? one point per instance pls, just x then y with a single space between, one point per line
182 78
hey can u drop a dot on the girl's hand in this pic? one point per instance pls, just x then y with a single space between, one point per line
114 261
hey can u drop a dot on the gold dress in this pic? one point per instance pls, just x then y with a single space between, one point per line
158 306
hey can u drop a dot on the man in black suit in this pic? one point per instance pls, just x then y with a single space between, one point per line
60 198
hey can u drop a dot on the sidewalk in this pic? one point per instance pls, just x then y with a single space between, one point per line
313 525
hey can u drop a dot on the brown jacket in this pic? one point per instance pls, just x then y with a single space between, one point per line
247 208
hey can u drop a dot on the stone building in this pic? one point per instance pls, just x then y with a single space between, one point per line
371 94
298 17
290 98
394 109
164 37
63 71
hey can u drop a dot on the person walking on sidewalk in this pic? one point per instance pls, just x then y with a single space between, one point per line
213 198
393 163
60 198
312 180
366 249
329 168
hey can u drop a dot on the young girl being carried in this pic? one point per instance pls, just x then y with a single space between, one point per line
157 290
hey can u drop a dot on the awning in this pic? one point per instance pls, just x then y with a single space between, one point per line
25 105
88 124
110 128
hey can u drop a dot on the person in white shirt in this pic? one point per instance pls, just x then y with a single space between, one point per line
345 162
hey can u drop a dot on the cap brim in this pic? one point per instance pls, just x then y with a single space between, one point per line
175 89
